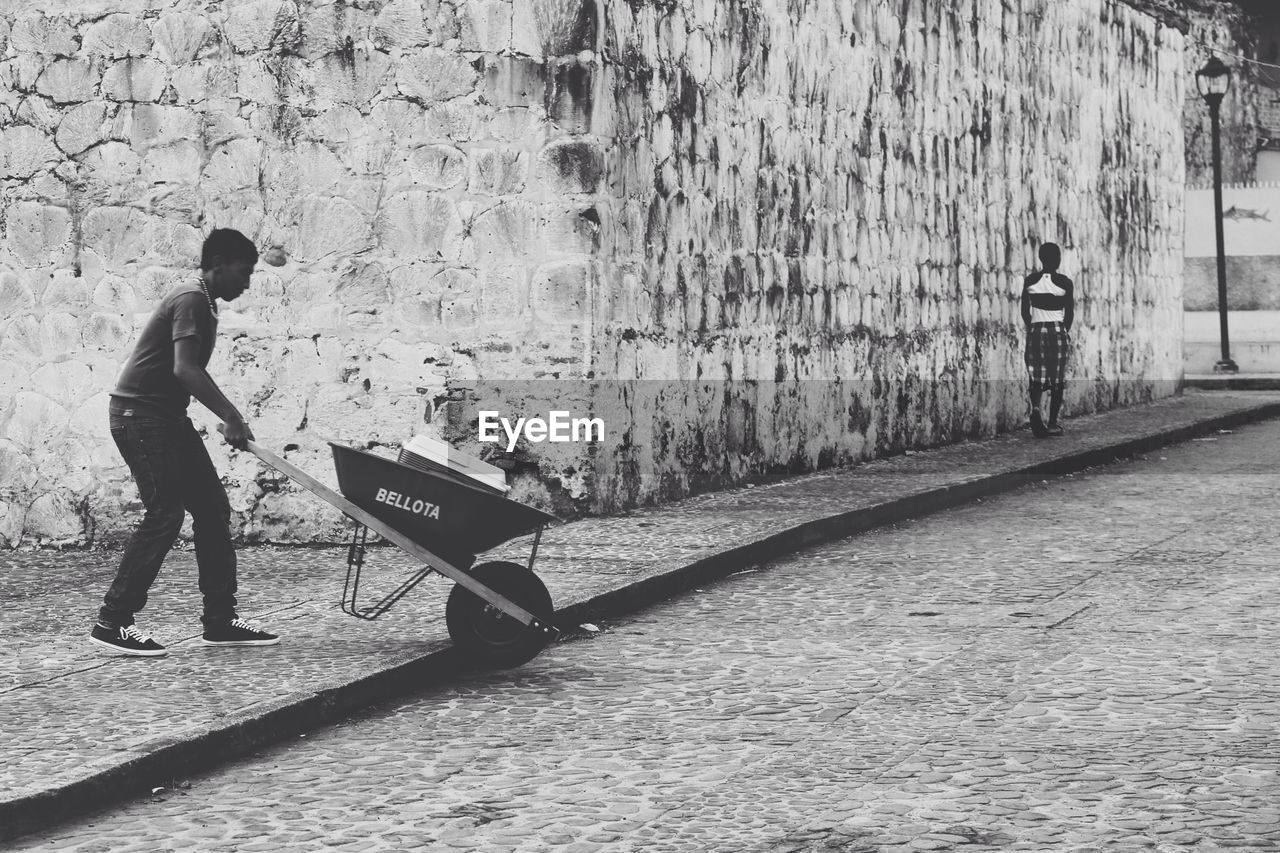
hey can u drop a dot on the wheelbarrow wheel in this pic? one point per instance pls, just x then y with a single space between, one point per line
486 634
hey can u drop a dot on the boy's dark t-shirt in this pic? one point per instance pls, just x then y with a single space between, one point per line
147 386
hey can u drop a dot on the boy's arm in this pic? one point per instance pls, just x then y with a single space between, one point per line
1069 313
1026 306
198 382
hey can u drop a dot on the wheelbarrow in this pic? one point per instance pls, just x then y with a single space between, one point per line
498 613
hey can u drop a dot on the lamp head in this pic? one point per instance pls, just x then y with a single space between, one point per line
1213 80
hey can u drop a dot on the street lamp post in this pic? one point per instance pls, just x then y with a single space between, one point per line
1213 81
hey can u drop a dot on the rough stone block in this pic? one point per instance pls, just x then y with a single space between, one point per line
111 174
37 234
560 290
25 150
82 127
38 113
179 36
68 81
571 166
116 235
135 79
352 78
190 83
400 24
167 241
419 224
15 294
496 171
63 382
506 233
435 167
33 32
515 81
264 25
330 29
330 226
398 119
148 126
570 230
513 124
36 421
459 292
362 287
404 367
13 519
233 167
19 76
115 294
117 36
255 82
526 38
65 291
452 122
416 292
54 520
432 75
486 26
504 297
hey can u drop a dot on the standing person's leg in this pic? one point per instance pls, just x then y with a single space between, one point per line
150 450
1033 356
1062 351
206 499
1055 404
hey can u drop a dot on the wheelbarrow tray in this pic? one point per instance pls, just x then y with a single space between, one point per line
443 513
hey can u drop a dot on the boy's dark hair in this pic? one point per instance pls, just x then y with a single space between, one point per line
227 246
1050 256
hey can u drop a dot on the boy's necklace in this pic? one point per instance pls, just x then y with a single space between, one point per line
208 297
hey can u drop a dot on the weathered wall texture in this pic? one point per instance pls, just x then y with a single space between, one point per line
1223 28
415 160
803 224
824 210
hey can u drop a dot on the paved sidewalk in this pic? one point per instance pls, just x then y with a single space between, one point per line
80 730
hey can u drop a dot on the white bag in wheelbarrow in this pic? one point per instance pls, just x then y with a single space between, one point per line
428 454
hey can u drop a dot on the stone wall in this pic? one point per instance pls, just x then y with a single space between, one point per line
756 236
823 212
415 161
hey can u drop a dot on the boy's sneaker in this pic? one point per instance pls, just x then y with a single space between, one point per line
127 640
1053 429
237 632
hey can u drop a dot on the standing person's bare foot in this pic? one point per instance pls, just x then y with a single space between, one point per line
1038 428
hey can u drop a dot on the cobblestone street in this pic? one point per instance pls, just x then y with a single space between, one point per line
1083 664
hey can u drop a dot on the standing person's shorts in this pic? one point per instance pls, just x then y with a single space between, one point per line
1048 348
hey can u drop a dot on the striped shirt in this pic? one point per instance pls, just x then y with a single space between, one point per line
1048 298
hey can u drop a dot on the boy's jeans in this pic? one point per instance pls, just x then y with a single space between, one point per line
175 476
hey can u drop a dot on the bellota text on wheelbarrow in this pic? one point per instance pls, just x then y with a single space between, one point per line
558 426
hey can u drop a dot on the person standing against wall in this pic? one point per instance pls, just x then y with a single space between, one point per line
168 459
1048 309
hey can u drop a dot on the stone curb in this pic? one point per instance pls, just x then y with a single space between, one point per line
1239 382
297 714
